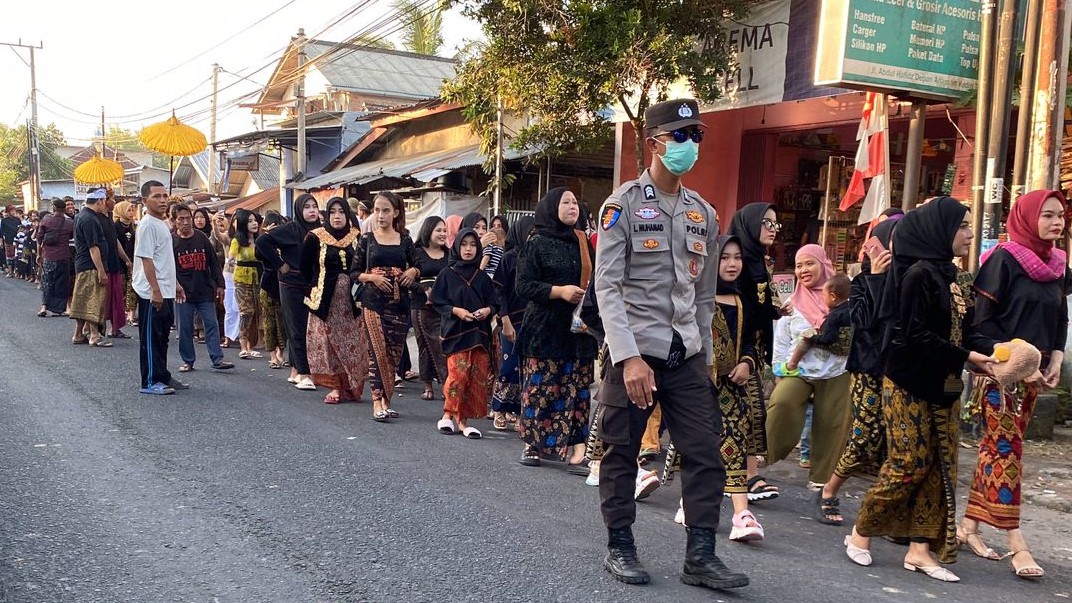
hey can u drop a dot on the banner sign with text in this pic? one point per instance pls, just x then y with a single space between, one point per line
773 50
920 48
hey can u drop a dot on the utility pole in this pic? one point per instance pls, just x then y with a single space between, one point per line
913 156
998 139
1051 72
982 111
299 92
212 156
1027 95
34 142
497 197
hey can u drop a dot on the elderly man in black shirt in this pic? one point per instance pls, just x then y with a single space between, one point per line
200 276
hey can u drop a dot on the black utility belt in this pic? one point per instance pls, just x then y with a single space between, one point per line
674 362
248 264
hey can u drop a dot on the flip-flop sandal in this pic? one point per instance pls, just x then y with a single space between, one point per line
380 416
828 508
332 399
120 335
392 413
79 341
42 314
245 355
185 368
761 492
274 365
428 395
100 344
256 354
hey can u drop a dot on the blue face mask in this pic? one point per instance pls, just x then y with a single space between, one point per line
680 156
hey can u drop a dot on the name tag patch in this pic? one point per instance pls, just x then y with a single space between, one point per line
609 217
647 213
645 227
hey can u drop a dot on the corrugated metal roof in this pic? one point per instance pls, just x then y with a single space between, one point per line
423 167
255 201
382 72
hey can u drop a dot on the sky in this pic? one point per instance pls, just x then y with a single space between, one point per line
138 60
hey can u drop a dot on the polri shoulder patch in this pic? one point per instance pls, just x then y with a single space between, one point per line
610 214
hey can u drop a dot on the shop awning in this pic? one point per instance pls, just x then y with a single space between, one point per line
423 167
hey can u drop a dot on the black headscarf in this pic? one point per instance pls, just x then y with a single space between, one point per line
299 219
207 228
746 225
519 233
927 234
465 268
547 222
502 219
470 220
351 222
725 287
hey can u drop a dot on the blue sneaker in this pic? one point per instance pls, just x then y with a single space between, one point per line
157 389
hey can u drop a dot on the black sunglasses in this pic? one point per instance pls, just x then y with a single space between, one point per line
681 135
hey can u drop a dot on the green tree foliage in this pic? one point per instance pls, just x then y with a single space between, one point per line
422 31
14 157
562 64
127 140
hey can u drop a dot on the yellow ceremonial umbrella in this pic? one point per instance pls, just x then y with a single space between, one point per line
98 170
172 137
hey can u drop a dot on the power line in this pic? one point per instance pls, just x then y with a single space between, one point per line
224 41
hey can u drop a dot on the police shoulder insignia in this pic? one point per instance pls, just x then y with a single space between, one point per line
694 216
609 217
651 244
649 192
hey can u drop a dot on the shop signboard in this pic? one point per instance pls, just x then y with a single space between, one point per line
773 50
912 48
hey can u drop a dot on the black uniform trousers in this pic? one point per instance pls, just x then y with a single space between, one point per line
296 318
694 420
154 328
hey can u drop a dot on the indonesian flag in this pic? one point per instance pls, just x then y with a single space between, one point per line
871 159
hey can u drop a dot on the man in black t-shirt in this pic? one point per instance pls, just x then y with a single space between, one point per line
199 274
91 279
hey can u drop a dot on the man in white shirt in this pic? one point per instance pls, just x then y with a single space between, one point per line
155 283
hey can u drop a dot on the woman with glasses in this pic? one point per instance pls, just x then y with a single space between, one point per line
756 226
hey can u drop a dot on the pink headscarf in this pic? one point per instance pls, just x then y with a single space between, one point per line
809 300
1022 224
454 224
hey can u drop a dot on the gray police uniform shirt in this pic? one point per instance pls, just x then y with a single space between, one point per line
656 270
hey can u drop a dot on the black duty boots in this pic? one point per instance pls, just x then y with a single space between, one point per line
702 566
622 561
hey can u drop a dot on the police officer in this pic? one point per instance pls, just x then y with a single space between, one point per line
655 277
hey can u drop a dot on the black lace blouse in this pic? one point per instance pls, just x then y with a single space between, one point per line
545 262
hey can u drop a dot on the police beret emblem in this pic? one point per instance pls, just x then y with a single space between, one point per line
684 111
651 244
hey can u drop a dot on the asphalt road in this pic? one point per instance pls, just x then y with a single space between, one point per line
245 489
